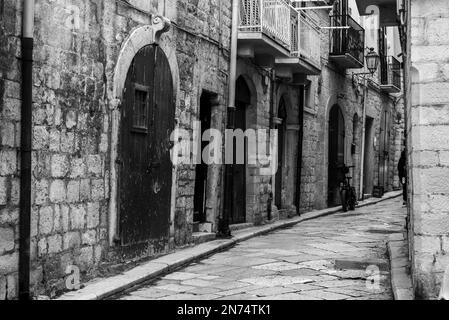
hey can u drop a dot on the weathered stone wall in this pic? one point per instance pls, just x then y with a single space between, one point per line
77 44
9 145
428 146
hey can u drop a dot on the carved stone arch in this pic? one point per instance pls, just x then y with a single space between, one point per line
254 97
283 93
139 38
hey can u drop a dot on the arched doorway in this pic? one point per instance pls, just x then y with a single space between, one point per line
147 121
280 174
336 155
237 189
199 202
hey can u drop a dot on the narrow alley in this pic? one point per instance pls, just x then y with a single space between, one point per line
331 258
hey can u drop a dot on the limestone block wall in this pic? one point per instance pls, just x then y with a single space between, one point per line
9 144
428 145
77 45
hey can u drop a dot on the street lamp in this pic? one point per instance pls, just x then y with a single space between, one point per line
372 61
372 64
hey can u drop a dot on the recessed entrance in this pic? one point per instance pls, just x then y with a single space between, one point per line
202 169
336 155
280 174
384 150
369 158
237 188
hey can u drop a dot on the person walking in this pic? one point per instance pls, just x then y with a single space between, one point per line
402 171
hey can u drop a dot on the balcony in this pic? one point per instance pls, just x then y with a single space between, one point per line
347 42
265 28
305 54
390 75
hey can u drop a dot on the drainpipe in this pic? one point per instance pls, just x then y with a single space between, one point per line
223 226
27 43
362 161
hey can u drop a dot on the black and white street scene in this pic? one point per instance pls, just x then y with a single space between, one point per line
230 150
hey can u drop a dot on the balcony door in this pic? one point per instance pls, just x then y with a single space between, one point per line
383 53
339 13
341 7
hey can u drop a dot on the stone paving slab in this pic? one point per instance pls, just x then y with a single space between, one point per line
327 276
104 288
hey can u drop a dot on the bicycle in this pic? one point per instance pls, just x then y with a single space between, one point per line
347 192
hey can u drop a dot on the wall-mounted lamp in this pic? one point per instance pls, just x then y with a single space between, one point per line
372 61
372 64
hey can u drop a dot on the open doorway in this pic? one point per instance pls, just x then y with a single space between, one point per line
369 158
200 215
336 155
237 186
384 150
280 174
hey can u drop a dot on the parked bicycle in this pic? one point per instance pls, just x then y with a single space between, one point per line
348 193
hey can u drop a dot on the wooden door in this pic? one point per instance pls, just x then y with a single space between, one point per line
239 171
147 121
282 128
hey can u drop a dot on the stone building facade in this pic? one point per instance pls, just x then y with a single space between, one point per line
337 86
86 63
427 28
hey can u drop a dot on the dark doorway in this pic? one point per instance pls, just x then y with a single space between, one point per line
336 155
384 150
237 189
369 158
201 169
282 128
147 120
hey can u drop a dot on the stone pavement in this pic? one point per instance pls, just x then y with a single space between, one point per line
338 257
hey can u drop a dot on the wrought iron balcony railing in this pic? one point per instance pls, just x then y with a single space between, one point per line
270 17
390 75
347 41
306 38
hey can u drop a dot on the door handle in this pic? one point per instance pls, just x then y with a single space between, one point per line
153 165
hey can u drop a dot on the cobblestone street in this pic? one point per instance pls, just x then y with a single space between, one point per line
325 258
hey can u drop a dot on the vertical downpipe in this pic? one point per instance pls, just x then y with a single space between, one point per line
223 228
27 44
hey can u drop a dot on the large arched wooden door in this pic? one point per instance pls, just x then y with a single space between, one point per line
336 155
147 121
